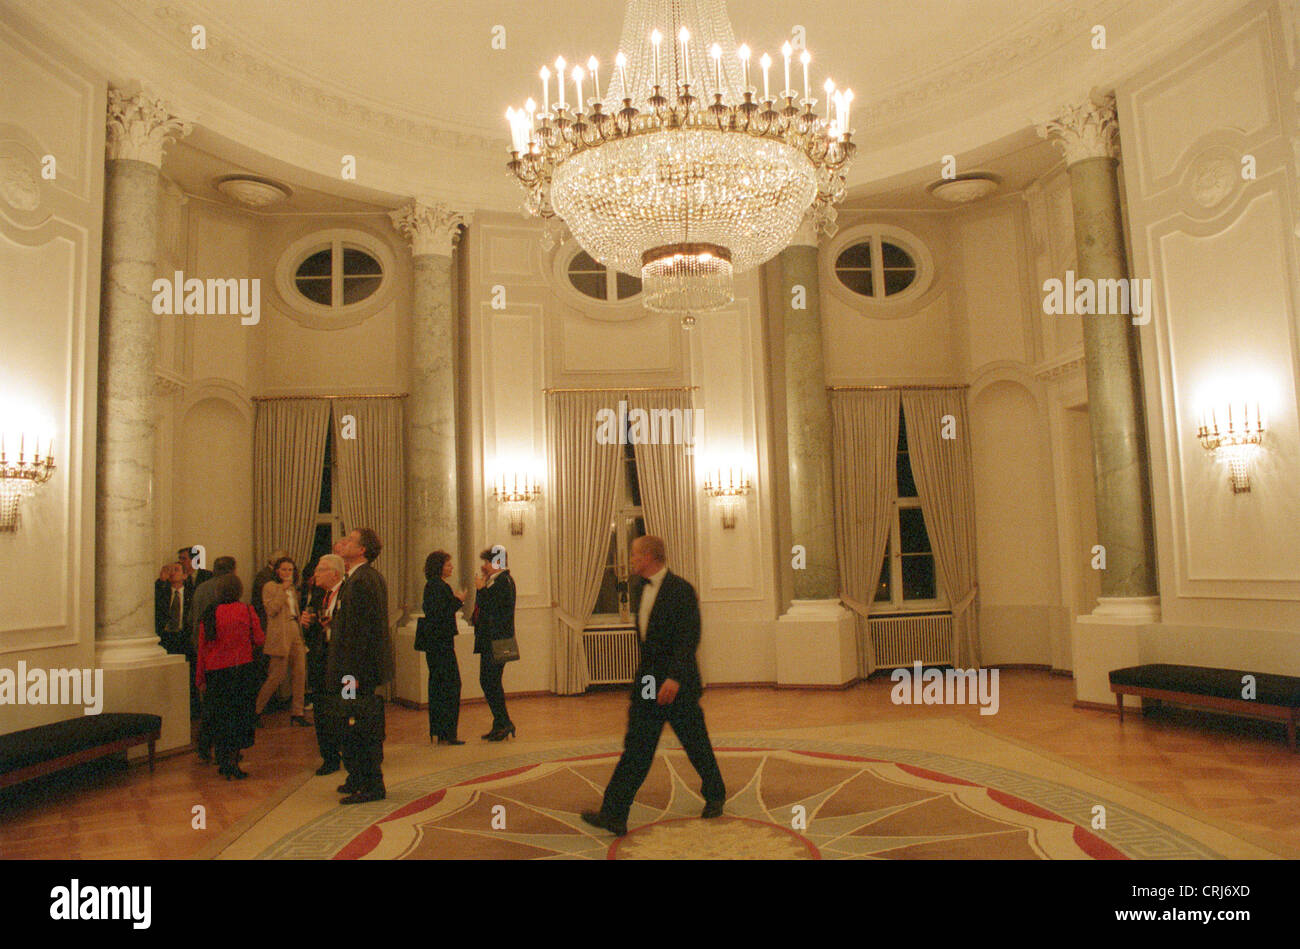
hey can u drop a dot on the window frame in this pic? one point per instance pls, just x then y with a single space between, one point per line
629 308
897 604
880 306
317 315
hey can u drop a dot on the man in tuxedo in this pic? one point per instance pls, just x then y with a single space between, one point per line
316 631
667 688
360 661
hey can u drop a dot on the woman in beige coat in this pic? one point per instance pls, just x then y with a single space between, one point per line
284 644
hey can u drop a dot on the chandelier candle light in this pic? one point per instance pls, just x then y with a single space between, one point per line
727 493
516 498
678 173
19 475
1237 444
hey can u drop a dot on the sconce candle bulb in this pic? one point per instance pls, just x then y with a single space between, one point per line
1238 444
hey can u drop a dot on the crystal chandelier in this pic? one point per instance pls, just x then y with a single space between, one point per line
677 170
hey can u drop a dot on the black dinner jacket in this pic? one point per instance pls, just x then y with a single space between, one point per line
162 601
359 642
436 630
496 612
671 638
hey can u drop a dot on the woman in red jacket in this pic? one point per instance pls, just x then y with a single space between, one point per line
225 672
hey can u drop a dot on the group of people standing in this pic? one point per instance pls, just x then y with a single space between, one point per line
334 634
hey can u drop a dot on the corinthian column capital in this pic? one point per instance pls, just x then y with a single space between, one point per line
431 228
140 125
1084 131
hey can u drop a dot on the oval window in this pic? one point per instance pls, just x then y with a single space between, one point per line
338 275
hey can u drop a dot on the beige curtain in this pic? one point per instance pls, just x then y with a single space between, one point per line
942 468
288 454
865 439
584 477
369 453
667 477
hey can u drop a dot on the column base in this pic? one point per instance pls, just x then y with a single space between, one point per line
816 644
154 684
1110 638
411 678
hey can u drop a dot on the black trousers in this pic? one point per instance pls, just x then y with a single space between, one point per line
444 692
645 723
364 753
489 677
328 731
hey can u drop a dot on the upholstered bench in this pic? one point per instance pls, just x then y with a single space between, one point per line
1277 697
35 751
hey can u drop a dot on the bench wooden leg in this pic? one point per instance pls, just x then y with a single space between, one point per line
1119 701
151 744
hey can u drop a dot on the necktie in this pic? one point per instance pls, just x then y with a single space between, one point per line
174 613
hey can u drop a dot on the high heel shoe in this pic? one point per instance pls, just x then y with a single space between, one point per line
500 734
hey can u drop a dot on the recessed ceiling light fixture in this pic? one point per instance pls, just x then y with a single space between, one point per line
252 191
965 189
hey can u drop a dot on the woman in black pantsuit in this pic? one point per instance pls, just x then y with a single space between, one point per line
435 637
494 618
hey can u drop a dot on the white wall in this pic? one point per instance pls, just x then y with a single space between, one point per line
50 104
1221 251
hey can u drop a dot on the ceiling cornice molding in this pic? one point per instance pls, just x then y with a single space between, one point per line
254 97
174 20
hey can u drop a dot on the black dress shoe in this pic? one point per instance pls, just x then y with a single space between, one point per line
450 741
712 809
326 769
597 819
346 788
365 797
300 720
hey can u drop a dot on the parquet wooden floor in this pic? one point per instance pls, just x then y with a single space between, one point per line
1234 771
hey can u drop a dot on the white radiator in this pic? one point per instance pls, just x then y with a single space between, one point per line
612 655
902 640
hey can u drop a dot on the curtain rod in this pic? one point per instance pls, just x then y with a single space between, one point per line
964 385
293 398
628 389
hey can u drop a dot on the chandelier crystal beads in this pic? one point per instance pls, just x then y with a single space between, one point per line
680 172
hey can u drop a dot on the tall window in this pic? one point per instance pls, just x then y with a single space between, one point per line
908 581
329 522
613 606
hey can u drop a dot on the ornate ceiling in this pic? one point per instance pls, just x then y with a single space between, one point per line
415 91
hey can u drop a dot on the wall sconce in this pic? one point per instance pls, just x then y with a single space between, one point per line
727 493
1238 444
516 493
19 476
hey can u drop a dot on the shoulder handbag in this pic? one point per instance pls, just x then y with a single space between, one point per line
505 650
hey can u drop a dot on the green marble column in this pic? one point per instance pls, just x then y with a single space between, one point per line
1086 135
808 421
433 520
125 559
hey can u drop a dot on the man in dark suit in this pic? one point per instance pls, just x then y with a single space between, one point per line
328 578
667 688
173 608
360 661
